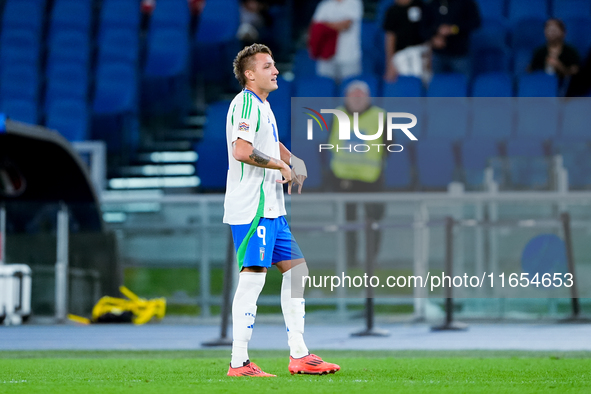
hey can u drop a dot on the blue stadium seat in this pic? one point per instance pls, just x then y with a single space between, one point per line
435 163
537 84
168 51
68 46
404 87
448 85
489 60
120 13
22 110
398 172
71 15
303 65
372 81
576 119
280 101
66 81
69 117
527 166
372 45
313 86
19 82
23 14
537 118
493 9
382 9
171 14
521 61
578 34
215 125
491 34
492 118
475 155
528 34
212 164
119 44
521 9
564 9
19 46
447 119
492 85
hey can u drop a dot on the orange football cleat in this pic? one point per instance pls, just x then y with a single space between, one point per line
249 369
312 365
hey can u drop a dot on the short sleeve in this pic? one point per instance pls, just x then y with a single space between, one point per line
245 119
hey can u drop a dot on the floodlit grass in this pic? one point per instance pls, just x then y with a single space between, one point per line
149 372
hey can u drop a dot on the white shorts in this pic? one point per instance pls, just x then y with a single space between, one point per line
338 70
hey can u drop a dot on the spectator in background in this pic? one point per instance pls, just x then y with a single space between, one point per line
345 17
580 84
353 171
406 52
448 24
556 57
254 22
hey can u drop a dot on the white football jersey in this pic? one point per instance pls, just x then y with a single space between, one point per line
252 191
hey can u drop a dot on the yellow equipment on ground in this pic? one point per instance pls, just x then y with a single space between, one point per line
134 309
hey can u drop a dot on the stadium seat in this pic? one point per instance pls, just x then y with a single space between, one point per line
493 9
576 119
371 80
435 163
22 110
66 81
492 118
69 117
448 85
528 34
564 9
280 101
71 15
172 14
168 51
19 45
23 14
413 105
372 45
528 168
447 119
490 60
491 34
215 125
313 86
19 81
537 84
521 9
68 46
578 34
537 118
398 172
212 163
521 61
303 65
404 87
475 155
492 85
119 44
120 13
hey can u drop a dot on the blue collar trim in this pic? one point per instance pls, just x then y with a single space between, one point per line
254 94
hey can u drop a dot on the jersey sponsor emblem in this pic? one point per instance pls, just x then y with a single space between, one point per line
262 250
243 126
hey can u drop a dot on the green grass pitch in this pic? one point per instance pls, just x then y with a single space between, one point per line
180 372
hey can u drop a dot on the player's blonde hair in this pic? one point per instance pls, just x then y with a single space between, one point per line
244 60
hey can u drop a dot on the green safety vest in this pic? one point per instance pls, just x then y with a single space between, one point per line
359 166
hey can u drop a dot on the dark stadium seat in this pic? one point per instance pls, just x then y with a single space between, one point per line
521 61
303 65
372 81
23 14
578 33
475 156
527 166
313 86
19 45
171 14
404 87
398 172
280 101
119 44
215 125
493 84
494 9
537 84
448 85
447 118
22 110
492 118
521 9
69 117
68 46
212 163
19 81
564 9
372 45
491 34
165 83
537 118
488 60
120 13
67 81
435 163
527 33
71 15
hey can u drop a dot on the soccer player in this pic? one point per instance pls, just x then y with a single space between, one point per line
254 207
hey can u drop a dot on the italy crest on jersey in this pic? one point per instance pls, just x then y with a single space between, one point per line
262 250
